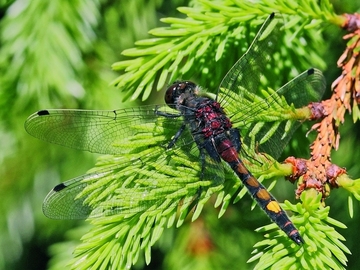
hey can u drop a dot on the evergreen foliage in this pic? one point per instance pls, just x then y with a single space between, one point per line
55 54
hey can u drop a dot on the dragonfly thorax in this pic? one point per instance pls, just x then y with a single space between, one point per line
211 118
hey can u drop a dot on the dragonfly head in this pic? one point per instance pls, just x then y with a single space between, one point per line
178 92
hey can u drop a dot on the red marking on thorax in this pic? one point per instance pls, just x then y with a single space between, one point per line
213 119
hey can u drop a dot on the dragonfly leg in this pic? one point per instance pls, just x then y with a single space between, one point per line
197 195
178 133
176 136
203 168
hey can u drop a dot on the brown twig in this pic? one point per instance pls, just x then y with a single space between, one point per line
318 172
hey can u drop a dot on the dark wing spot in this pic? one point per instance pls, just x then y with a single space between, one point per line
43 112
59 187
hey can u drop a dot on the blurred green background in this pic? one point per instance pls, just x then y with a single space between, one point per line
58 54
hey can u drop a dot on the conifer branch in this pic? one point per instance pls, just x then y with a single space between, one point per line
197 45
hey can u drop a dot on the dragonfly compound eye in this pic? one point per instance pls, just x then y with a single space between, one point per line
170 94
178 88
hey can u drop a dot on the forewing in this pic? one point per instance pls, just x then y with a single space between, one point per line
247 72
251 109
104 132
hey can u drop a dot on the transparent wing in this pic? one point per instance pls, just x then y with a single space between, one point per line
147 176
104 132
154 181
247 72
251 109
268 121
61 202
301 91
125 189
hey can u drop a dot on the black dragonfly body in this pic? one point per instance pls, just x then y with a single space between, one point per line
213 133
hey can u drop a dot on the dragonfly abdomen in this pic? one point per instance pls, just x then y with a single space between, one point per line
263 198
267 202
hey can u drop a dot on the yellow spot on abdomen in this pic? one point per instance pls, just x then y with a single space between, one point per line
273 206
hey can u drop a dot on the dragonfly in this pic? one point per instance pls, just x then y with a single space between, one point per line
180 149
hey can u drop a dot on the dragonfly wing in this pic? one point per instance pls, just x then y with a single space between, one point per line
155 181
248 71
149 177
241 93
132 187
269 122
301 91
62 202
307 87
104 132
